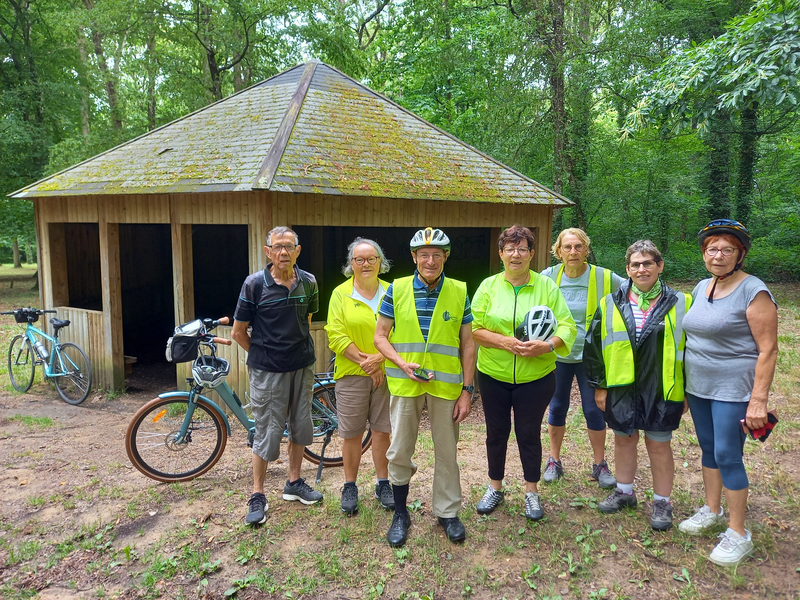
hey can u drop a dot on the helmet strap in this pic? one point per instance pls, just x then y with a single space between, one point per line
738 266
429 283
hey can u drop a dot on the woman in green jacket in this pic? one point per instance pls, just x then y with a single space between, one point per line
361 391
515 374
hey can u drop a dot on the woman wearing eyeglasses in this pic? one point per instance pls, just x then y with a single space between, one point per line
583 285
634 360
731 351
361 391
513 374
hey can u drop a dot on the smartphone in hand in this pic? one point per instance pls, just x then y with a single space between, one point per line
422 374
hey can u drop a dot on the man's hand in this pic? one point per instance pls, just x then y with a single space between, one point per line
600 395
408 369
463 407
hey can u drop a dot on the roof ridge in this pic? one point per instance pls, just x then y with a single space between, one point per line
269 166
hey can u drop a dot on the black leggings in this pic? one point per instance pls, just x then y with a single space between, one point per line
529 401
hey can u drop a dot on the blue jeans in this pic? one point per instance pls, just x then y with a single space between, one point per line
719 431
559 404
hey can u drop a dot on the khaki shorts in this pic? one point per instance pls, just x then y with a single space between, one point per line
358 400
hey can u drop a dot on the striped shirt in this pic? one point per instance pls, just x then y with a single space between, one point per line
425 300
639 315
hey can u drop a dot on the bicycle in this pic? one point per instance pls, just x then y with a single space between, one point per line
65 364
179 436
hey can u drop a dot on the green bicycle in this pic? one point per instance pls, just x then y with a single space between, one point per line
65 363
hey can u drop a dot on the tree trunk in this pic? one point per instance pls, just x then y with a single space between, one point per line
83 55
718 173
15 248
556 60
108 76
151 76
747 159
215 82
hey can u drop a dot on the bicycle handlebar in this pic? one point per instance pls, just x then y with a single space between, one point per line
34 310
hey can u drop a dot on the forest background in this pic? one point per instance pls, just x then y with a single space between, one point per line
653 116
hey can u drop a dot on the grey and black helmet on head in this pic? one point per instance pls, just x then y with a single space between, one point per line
726 227
430 238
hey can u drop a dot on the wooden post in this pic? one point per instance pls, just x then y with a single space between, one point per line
182 276
495 264
113 359
58 284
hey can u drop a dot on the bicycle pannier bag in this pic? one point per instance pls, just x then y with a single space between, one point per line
25 315
182 346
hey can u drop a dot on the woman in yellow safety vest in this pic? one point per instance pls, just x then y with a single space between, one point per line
634 359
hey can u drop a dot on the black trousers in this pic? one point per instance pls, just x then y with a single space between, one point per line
529 401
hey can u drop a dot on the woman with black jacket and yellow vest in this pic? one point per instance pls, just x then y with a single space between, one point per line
634 359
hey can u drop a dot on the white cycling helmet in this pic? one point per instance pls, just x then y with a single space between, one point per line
210 371
432 238
539 323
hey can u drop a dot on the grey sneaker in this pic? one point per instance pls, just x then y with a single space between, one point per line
533 506
350 498
701 521
732 550
617 501
384 493
602 475
257 509
491 500
554 470
662 515
300 490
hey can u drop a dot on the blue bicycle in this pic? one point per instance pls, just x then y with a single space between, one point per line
181 435
65 363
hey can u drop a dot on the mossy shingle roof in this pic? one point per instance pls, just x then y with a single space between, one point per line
310 129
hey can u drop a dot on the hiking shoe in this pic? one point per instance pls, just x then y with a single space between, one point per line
554 470
491 500
732 550
617 501
257 513
384 493
300 490
701 521
661 520
453 528
602 475
350 498
398 530
533 506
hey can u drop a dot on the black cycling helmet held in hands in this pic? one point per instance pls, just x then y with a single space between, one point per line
729 226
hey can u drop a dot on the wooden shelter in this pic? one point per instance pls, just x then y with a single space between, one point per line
165 228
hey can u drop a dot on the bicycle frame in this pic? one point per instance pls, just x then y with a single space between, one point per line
55 350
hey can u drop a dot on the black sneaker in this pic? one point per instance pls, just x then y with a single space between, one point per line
384 493
300 490
398 531
258 506
350 498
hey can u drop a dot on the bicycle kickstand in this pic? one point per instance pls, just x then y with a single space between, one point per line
322 455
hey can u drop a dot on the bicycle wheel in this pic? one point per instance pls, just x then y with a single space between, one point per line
325 401
152 446
21 363
74 379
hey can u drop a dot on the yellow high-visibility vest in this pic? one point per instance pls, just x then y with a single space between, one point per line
440 354
599 279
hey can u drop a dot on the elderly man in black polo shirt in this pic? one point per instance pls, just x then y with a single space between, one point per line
278 302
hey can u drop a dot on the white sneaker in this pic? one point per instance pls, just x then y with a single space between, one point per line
701 521
732 550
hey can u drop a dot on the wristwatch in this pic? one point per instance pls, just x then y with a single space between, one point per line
552 348
470 388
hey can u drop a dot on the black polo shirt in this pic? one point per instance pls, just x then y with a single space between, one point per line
280 340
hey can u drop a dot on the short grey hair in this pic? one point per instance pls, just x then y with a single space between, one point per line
280 230
643 247
347 269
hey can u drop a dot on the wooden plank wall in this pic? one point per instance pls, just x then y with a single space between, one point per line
86 330
353 211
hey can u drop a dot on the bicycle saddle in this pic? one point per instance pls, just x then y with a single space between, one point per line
59 323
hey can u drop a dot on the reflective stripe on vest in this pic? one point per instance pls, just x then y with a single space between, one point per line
618 350
599 279
440 354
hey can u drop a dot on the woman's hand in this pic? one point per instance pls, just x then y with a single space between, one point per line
378 378
371 363
756 414
534 348
600 395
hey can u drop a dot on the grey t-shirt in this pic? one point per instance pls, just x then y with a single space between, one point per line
576 293
721 354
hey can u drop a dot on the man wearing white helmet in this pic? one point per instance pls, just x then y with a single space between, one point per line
430 360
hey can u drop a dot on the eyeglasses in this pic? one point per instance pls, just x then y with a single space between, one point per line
522 251
278 248
648 264
712 251
425 257
371 260
577 247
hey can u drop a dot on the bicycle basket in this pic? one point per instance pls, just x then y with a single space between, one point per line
182 346
26 315
210 371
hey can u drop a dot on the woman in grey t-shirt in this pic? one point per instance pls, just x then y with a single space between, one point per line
731 350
